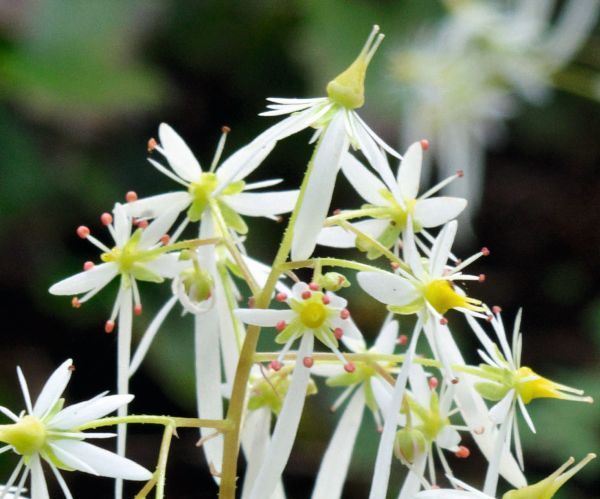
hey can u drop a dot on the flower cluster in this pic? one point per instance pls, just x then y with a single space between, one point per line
422 406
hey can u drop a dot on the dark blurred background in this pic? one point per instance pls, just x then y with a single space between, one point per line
83 85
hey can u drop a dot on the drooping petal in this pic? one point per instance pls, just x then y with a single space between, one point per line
339 237
433 212
334 467
153 206
412 483
500 411
39 489
319 188
97 277
286 428
265 318
387 288
103 462
440 251
178 154
368 186
53 389
76 415
263 204
386 339
409 172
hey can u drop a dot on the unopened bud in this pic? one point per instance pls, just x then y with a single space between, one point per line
333 281
409 444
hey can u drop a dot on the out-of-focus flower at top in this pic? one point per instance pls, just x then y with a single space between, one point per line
222 184
389 206
338 127
49 431
462 80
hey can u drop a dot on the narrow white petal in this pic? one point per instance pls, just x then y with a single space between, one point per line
290 100
97 277
450 494
265 318
262 184
327 370
243 162
419 386
412 483
440 250
149 335
24 390
335 463
410 251
168 265
409 172
433 212
352 338
499 413
61 481
67 458
158 228
448 439
208 381
286 428
122 225
319 188
232 331
368 186
338 237
263 204
76 415
53 389
179 155
387 288
153 206
39 489
386 339
104 462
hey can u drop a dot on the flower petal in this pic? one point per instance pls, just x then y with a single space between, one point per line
448 439
53 389
263 317
158 228
122 224
419 386
368 186
433 212
153 206
412 483
39 489
103 462
319 188
97 277
263 204
179 155
243 162
338 237
334 467
168 265
386 339
440 251
409 172
499 412
76 415
387 288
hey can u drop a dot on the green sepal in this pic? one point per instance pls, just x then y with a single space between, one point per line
491 391
232 218
141 273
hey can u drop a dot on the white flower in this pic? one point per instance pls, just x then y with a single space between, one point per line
338 126
323 315
223 185
361 387
389 206
47 431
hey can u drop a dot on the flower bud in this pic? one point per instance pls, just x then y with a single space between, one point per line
409 444
333 281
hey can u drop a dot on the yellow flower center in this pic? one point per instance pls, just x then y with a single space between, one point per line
539 387
129 255
442 297
27 436
313 314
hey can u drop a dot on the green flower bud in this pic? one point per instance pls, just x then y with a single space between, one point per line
333 281
409 444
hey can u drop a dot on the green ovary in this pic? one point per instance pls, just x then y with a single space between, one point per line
313 314
27 436
201 191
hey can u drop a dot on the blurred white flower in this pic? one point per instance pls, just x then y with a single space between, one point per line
47 431
389 206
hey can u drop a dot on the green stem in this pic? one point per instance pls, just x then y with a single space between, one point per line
328 262
161 467
350 214
176 422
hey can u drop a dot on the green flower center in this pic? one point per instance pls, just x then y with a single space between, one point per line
27 436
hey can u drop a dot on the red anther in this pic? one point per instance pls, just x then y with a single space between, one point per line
71 367
279 219
281 297
337 211
75 303
460 173
454 381
349 367
142 224
275 365
489 318
485 251
338 332
314 286
458 261
137 310
280 326
251 302
496 309
152 144
481 277
109 327
462 452
88 265
225 129
106 218
306 295
424 144
395 265
326 300
131 196
344 314
433 383
308 361
83 231
443 321
402 339
164 239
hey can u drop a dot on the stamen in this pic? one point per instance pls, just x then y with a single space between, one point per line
326 300
131 196
83 232
106 218
88 265
220 146
394 265
275 365
306 295
137 310
314 286
433 383
152 144
340 400
345 313
109 326
496 309
443 321
338 332
75 303
460 173
462 452
308 362
281 297
280 326
485 251
481 277
251 302
142 224
402 339
424 144
349 367
441 185
337 211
